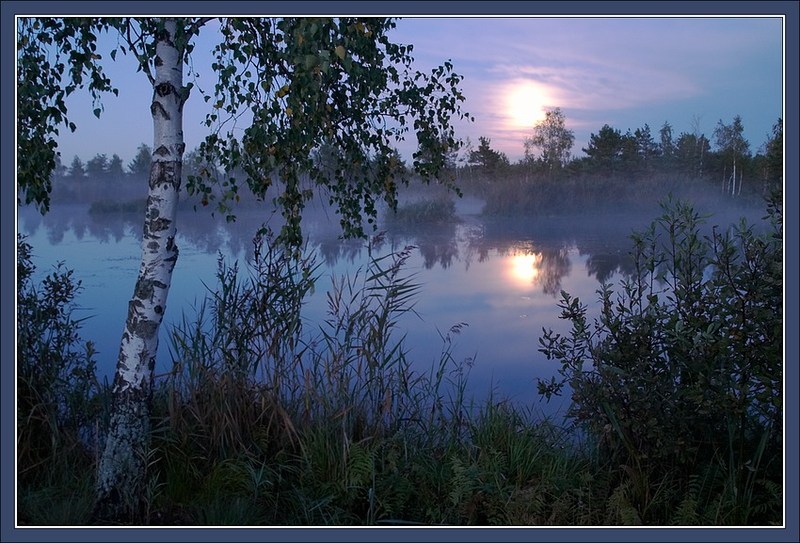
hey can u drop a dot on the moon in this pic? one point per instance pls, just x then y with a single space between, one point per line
526 103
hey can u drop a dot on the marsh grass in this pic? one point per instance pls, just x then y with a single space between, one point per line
534 195
332 406
266 419
428 210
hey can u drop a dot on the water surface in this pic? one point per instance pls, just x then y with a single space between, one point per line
500 279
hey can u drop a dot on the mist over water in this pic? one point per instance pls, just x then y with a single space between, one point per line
500 277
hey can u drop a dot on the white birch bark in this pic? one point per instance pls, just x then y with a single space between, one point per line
741 180
122 468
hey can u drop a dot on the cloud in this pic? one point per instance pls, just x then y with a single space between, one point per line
620 71
599 86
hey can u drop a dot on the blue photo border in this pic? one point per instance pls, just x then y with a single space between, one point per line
498 7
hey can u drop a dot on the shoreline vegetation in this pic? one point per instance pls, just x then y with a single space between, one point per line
675 420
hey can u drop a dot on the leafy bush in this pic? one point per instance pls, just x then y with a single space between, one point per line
56 383
682 371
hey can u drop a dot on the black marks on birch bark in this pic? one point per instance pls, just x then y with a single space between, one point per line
161 151
162 34
165 89
157 109
144 289
159 225
144 328
164 173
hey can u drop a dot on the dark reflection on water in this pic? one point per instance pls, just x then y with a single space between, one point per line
601 239
500 276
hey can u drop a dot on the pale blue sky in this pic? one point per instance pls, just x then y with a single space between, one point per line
624 72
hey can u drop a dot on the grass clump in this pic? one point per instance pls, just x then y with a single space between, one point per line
439 209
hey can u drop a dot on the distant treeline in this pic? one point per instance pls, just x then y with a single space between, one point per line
634 167
102 168
630 167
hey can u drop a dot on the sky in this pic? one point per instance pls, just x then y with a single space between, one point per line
622 71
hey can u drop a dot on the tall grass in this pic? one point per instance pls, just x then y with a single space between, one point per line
267 419
249 385
533 195
434 209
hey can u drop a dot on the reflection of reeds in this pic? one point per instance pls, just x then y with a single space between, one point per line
105 207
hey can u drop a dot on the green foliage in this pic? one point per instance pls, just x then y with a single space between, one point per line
115 171
554 140
730 139
243 338
97 167
304 82
505 456
774 157
490 161
733 153
647 151
64 497
224 510
55 57
258 424
140 165
691 153
605 149
77 170
683 367
245 387
315 82
58 399
622 169
610 151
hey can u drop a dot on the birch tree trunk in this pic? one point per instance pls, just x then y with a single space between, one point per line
741 180
122 469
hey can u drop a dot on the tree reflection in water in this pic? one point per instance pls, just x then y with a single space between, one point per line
501 276
546 244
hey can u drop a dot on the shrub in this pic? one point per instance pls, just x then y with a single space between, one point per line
56 384
681 374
